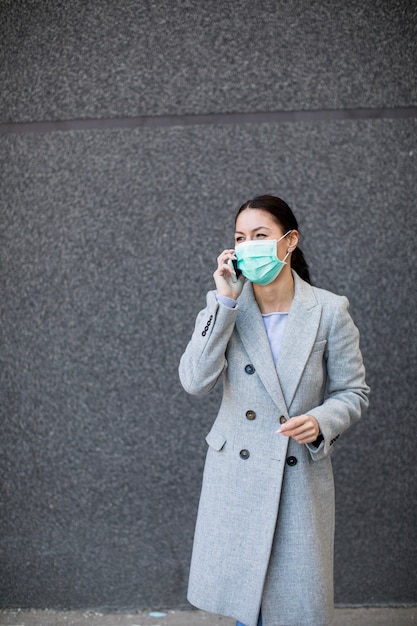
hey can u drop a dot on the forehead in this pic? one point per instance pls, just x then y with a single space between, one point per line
250 219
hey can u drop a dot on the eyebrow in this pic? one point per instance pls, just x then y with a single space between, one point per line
254 230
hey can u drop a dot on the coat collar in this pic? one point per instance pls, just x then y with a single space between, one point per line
300 332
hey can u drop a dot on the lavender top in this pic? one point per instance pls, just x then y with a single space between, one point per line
274 325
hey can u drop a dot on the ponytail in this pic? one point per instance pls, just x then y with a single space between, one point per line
300 265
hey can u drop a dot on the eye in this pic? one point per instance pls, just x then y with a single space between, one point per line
258 235
239 239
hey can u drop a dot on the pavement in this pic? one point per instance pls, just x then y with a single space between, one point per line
392 616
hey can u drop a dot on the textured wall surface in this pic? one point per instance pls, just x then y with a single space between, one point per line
108 242
104 58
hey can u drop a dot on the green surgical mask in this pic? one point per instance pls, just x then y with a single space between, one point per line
258 261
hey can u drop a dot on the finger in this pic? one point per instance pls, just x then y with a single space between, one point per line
306 430
226 254
292 424
306 440
224 270
307 436
224 264
298 433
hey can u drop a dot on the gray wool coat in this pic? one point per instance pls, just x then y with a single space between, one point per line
265 526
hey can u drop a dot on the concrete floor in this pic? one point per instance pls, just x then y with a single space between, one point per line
401 616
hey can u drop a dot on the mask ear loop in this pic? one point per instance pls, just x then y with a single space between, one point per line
289 249
287 233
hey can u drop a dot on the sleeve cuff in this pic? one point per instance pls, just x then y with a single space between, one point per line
318 441
230 303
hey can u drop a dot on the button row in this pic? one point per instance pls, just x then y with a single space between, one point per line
206 327
251 415
245 454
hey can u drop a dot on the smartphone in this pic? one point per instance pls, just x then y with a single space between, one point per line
233 264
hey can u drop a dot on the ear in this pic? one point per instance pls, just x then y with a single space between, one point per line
292 240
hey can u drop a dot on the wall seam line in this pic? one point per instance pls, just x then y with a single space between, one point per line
183 120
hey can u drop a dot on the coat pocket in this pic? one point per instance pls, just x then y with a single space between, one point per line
319 346
216 440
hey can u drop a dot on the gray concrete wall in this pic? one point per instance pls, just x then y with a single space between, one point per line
130 133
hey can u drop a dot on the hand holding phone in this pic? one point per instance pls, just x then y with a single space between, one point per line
228 278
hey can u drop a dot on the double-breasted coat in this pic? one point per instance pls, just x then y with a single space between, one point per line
265 526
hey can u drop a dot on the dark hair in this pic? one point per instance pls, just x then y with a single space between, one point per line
283 215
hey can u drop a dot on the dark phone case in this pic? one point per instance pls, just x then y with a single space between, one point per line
237 270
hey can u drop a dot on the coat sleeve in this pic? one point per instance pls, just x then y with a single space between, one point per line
204 359
347 392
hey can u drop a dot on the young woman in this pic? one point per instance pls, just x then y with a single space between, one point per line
293 382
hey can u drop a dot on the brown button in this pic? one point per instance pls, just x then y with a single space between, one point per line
282 419
250 415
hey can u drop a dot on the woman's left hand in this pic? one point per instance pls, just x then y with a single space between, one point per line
302 428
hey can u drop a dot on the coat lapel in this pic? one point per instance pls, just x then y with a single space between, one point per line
281 382
299 337
251 329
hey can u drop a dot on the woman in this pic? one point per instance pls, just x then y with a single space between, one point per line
293 382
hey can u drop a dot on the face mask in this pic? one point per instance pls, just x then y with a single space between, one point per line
258 261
